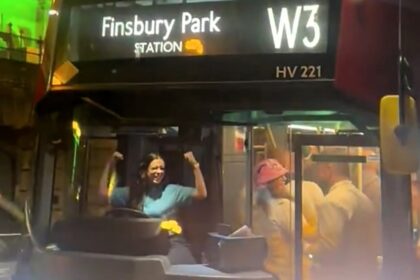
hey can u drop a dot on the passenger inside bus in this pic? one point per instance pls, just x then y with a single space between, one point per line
273 218
347 226
312 194
154 196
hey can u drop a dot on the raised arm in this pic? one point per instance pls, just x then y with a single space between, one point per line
109 169
200 186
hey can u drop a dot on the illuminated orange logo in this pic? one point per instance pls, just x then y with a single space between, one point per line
194 46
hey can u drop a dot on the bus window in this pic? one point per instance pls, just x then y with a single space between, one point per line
274 143
236 193
235 176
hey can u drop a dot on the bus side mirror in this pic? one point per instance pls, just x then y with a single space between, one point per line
399 142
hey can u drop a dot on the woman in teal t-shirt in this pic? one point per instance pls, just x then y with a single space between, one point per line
153 196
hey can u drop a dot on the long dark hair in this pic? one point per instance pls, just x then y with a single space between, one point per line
140 186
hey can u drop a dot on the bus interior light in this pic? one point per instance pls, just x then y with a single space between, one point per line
302 127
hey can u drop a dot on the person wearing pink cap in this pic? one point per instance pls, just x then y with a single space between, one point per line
312 194
273 218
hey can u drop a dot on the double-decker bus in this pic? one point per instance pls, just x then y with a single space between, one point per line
236 83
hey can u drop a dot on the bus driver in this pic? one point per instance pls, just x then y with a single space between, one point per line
155 197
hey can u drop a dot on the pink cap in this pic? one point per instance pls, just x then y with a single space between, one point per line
269 170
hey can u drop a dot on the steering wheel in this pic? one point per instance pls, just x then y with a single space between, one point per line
126 213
